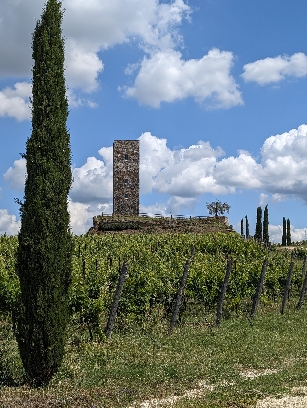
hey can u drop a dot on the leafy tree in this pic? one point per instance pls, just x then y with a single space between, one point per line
266 237
246 227
284 232
45 242
258 232
242 227
288 232
217 208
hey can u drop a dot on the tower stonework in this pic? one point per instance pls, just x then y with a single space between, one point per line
126 180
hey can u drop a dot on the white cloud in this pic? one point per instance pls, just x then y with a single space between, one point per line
16 175
276 69
242 171
89 27
74 100
94 26
297 234
81 215
185 174
93 182
8 223
166 77
14 102
83 67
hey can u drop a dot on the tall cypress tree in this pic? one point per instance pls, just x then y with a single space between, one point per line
258 232
246 227
266 237
242 228
45 242
284 232
288 232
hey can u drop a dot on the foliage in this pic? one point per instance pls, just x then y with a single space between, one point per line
266 237
156 263
258 232
246 227
44 252
217 208
242 227
284 232
288 236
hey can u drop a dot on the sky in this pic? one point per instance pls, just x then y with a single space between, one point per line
214 90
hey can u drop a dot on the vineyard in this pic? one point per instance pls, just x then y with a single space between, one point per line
156 263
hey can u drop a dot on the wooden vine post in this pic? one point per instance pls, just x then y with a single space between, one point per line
259 289
303 290
114 307
287 288
180 291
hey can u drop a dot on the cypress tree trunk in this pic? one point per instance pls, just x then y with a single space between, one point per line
258 232
266 237
288 232
45 245
284 232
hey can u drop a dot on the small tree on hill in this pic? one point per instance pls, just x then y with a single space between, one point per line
217 208
258 232
44 257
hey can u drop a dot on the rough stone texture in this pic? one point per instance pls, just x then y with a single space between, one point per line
106 224
126 183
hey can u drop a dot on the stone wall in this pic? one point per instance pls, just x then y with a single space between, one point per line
126 183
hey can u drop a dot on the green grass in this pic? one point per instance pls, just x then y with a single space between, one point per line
141 363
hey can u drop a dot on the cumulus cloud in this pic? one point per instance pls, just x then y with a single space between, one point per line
83 67
184 174
8 223
81 215
166 77
89 27
15 176
297 234
93 182
196 170
272 70
14 102
94 26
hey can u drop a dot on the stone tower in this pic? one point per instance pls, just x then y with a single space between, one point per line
126 180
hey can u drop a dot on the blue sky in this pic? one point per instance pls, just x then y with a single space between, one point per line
215 90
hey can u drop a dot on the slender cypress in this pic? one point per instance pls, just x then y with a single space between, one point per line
288 232
284 232
258 232
246 227
242 228
45 245
266 237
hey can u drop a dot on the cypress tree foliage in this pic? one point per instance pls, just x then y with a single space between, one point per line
242 227
284 232
266 237
45 246
288 232
246 227
258 232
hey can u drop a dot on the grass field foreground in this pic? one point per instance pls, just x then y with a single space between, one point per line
197 365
